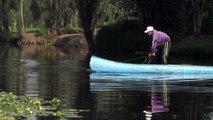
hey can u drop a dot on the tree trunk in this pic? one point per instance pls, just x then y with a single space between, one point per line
54 14
4 22
75 19
21 29
87 8
197 15
55 20
21 15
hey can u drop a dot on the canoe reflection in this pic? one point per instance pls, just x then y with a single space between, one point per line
112 82
149 93
149 76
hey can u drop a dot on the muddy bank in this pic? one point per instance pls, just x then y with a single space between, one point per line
70 40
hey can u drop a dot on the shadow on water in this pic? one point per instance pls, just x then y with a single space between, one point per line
49 72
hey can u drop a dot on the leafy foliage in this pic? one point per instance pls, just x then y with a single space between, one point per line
166 15
123 35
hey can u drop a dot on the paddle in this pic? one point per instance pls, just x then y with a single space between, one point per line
148 60
138 58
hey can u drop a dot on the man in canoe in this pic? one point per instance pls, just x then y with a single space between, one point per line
161 43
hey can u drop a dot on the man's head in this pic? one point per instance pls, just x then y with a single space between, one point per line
149 30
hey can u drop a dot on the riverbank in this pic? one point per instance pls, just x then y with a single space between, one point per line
69 37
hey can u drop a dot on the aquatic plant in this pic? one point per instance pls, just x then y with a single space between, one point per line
15 107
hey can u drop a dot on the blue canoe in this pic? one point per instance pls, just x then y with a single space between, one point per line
101 65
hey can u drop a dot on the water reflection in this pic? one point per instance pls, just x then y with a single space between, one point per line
159 100
141 82
125 99
32 83
151 97
46 72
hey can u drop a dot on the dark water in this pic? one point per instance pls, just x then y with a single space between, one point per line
48 72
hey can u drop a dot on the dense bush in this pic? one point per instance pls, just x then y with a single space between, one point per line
127 35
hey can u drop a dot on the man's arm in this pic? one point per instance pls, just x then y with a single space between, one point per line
153 50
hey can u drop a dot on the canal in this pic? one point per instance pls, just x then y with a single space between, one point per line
47 72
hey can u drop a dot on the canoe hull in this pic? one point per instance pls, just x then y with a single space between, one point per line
98 64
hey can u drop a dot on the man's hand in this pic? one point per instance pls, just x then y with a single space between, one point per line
152 54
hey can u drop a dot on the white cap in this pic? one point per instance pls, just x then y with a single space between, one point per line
149 29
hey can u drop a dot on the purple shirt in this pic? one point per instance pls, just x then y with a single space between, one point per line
158 39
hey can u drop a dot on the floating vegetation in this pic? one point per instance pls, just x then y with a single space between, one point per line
14 107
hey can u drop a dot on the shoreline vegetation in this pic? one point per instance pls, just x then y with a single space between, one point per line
120 37
120 23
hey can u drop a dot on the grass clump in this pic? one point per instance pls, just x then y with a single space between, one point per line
36 30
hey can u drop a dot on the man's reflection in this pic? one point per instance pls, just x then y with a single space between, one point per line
159 99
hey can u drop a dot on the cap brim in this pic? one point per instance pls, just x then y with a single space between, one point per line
146 31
